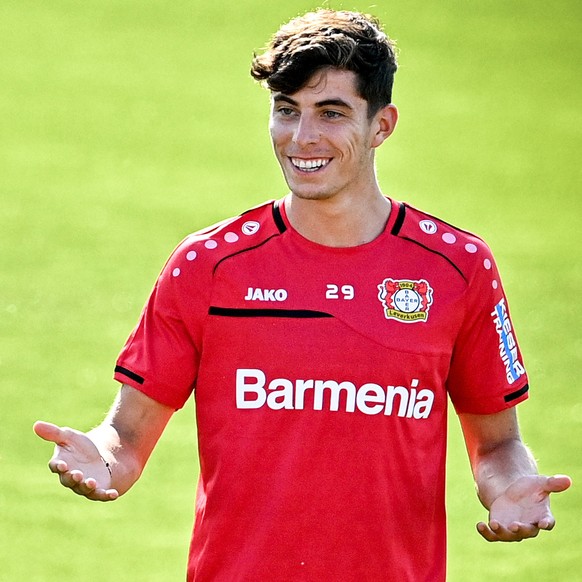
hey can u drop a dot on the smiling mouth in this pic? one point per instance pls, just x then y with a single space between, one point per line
310 165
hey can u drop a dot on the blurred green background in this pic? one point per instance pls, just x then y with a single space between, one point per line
126 125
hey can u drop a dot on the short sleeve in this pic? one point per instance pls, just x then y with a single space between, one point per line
161 356
487 374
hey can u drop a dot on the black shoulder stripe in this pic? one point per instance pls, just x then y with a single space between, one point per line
281 227
278 218
245 250
399 219
289 313
129 374
516 394
437 253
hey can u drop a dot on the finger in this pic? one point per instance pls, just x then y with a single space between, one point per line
58 466
75 481
49 432
85 487
96 493
71 479
486 532
515 532
557 483
547 523
104 495
492 532
82 491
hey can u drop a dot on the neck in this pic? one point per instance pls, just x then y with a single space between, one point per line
339 223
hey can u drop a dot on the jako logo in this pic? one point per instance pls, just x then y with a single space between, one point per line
252 392
266 294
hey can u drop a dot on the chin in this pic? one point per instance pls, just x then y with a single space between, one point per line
305 192
303 195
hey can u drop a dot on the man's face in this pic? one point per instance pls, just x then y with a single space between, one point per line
322 137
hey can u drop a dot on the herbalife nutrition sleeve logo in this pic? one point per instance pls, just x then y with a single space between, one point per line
507 345
406 301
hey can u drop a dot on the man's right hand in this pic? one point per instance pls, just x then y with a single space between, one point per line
77 462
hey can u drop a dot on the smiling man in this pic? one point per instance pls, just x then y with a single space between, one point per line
322 335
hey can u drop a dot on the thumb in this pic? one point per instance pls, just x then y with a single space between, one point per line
557 483
49 432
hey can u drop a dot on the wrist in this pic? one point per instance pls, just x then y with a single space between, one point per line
107 465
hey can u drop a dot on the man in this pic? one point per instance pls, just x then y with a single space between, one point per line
321 335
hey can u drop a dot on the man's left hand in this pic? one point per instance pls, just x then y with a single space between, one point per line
524 509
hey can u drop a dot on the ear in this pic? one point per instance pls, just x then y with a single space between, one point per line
385 123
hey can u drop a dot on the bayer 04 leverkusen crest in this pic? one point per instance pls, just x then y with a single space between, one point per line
406 301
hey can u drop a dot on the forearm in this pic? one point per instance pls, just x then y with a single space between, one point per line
128 435
497 468
507 479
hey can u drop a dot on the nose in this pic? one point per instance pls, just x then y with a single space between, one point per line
306 131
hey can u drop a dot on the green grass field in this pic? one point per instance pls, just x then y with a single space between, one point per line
126 125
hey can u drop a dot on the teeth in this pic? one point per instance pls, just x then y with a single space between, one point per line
309 165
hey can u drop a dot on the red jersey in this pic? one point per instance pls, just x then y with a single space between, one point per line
321 378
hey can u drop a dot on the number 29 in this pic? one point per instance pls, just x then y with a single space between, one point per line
335 292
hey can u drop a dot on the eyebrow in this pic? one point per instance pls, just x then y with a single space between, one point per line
325 103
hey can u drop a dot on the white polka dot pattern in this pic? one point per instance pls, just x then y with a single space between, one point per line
249 228
430 227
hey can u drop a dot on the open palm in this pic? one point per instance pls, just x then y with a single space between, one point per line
78 462
524 509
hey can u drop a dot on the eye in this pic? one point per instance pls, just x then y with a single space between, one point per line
330 114
285 111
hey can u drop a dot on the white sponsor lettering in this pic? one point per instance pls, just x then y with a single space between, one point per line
253 392
256 294
507 344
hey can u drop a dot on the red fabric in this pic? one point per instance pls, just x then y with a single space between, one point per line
322 424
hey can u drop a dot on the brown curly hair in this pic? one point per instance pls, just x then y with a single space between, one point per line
345 40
